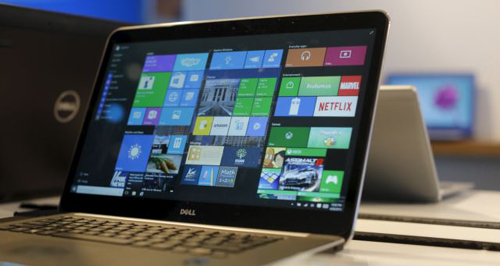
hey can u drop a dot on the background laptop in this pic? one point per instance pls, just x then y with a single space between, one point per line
220 133
401 163
48 66
447 102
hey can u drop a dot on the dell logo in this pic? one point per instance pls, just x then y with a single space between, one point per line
66 106
188 212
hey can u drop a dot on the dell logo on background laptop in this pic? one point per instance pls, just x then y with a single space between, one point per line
66 106
188 212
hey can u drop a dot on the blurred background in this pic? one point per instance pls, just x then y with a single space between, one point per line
437 38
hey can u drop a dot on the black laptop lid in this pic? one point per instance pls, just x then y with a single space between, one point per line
48 66
251 123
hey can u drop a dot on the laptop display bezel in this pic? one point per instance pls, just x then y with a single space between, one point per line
296 220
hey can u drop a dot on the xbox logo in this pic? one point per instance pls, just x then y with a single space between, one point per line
289 135
66 106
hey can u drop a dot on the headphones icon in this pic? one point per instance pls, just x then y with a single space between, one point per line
305 56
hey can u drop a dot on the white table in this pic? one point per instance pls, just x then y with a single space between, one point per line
472 205
363 253
479 205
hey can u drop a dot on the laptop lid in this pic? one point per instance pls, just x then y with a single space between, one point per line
248 123
48 65
401 164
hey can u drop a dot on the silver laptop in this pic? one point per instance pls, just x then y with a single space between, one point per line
237 142
401 163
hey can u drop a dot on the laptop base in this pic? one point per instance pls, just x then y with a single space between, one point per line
449 189
28 247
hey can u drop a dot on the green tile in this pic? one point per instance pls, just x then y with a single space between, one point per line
262 106
247 87
151 93
289 137
319 86
289 86
243 106
266 87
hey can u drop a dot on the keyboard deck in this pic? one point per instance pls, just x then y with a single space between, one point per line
178 239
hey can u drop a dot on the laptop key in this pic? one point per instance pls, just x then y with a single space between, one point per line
199 238
142 244
139 238
164 245
7 227
122 236
191 244
107 235
240 236
201 251
34 224
77 231
20 229
214 241
112 231
127 233
236 241
109 240
34 231
225 248
45 233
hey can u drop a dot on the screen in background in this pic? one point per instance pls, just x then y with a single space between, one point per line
447 102
130 11
265 120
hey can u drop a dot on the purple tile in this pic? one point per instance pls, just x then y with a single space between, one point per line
345 56
159 63
152 116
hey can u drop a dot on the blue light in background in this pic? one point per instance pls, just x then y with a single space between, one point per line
125 10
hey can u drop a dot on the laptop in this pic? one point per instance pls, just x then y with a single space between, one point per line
49 62
447 103
231 142
401 163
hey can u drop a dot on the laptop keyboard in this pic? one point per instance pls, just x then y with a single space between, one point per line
160 237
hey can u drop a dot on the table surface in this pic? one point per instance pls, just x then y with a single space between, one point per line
471 205
477 205
364 253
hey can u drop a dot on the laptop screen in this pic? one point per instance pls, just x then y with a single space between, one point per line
261 120
447 102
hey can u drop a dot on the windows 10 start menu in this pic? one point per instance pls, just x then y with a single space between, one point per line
257 127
